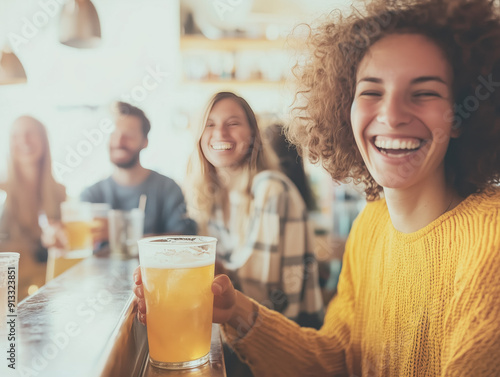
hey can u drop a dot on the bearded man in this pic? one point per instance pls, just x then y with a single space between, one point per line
165 211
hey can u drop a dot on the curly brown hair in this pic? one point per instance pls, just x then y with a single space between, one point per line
468 31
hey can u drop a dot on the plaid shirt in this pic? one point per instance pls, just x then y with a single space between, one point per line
275 264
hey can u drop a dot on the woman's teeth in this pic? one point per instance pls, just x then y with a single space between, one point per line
222 146
397 147
397 144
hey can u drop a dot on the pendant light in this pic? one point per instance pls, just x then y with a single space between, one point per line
11 69
79 25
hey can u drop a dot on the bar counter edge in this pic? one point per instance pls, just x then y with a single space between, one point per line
83 323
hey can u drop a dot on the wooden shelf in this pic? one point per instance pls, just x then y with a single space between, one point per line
234 44
236 83
199 44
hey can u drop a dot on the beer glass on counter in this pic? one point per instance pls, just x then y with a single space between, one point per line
77 222
177 273
125 229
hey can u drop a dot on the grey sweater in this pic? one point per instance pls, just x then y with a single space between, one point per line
165 207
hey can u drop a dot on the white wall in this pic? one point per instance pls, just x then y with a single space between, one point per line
69 90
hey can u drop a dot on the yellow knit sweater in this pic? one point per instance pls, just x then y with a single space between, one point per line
419 304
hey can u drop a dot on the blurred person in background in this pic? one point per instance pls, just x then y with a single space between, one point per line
165 211
237 194
291 163
33 198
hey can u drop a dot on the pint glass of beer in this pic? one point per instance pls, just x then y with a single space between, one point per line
77 221
177 274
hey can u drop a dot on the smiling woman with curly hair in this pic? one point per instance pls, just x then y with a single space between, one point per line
401 97
468 34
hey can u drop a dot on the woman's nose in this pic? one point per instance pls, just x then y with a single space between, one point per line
220 130
23 140
394 111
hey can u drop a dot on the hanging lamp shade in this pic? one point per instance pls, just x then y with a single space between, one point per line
79 25
11 69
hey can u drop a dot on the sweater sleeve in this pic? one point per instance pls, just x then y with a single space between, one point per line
92 194
174 214
472 326
276 346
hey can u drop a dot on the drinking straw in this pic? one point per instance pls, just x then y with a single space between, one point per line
142 202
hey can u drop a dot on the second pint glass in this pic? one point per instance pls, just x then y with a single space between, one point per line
77 221
177 274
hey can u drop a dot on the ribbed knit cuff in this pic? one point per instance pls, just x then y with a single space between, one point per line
270 329
234 336
276 346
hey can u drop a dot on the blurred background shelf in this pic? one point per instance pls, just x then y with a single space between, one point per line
199 42
168 58
235 63
235 84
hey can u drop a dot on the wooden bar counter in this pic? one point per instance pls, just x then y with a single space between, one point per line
83 323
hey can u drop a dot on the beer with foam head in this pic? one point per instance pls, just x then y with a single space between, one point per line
177 274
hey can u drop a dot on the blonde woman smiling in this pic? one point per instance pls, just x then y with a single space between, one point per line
256 213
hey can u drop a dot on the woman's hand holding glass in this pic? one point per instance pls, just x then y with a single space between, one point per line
230 305
54 236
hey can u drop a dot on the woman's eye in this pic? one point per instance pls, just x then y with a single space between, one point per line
233 124
371 93
427 94
209 125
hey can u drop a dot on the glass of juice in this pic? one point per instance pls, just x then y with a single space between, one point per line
177 273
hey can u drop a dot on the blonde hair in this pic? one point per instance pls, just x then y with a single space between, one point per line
22 218
205 186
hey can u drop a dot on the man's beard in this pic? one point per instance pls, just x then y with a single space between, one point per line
130 163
